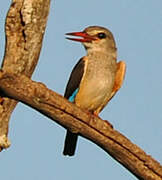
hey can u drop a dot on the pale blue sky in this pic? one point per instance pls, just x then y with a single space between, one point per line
136 111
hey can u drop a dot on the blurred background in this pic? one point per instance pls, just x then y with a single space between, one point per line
136 110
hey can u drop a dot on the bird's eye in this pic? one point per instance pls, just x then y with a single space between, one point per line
101 35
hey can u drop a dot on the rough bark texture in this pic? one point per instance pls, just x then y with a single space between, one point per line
25 26
54 106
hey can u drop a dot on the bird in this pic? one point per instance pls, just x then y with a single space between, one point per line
96 77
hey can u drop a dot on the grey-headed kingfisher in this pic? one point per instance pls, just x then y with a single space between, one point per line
95 78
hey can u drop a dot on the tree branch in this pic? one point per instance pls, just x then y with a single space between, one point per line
25 26
68 115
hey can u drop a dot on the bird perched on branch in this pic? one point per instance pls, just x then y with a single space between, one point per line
95 78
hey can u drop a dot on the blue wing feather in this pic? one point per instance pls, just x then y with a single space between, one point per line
72 97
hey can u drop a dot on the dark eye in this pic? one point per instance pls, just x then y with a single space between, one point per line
101 35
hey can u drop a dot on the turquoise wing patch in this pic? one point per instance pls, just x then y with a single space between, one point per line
72 97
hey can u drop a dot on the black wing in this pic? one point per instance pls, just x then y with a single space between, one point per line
75 78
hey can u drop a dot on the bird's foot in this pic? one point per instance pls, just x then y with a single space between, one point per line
108 123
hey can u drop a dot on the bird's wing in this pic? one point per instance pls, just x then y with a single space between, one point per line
119 77
70 93
74 80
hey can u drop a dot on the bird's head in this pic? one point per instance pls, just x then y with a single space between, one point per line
95 38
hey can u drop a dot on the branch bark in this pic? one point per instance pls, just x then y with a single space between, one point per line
25 27
58 109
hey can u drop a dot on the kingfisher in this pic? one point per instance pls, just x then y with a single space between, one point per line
96 77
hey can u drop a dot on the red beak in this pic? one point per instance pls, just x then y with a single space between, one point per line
84 35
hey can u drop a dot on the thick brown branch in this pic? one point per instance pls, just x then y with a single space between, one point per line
70 116
25 26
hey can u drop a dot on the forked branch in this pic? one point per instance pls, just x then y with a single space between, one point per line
25 27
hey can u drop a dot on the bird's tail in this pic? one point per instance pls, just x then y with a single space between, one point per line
70 143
